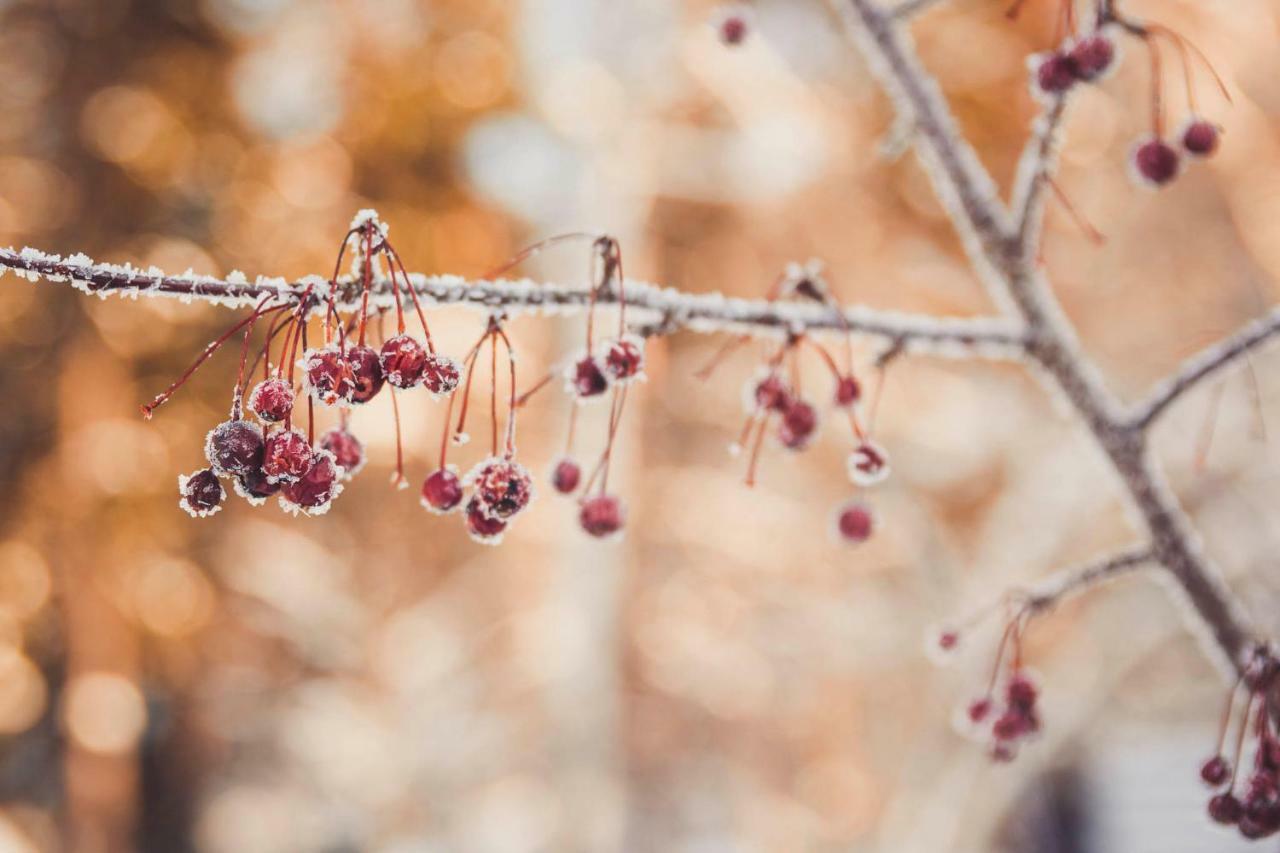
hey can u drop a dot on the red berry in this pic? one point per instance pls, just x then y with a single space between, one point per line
440 374
586 378
255 487
234 447
1225 809
602 516
503 487
1200 138
1215 771
1155 162
442 491
366 372
979 709
329 377
854 522
1011 725
566 475
481 526
403 360
1092 56
624 359
200 494
287 456
1055 73
768 393
848 391
271 400
733 23
948 639
1021 694
799 422
868 464
347 450
314 491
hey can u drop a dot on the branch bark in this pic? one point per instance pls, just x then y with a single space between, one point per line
1052 590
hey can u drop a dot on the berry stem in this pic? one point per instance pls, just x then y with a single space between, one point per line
512 404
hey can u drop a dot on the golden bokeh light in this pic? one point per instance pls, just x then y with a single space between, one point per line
104 712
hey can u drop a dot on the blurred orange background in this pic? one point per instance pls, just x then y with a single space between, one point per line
726 677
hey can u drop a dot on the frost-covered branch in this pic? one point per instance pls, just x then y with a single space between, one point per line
1035 172
1206 364
1049 592
667 309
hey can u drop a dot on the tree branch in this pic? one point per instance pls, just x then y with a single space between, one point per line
1052 590
670 309
1035 171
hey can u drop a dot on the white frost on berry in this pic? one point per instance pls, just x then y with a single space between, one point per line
868 464
193 511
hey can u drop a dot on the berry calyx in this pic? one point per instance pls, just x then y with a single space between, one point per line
1091 57
366 373
328 375
440 374
271 400
482 527
1156 162
868 464
624 359
1200 138
602 516
403 359
1055 73
854 522
347 450
799 422
442 491
255 488
233 447
503 487
586 379
565 476
286 457
200 494
314 491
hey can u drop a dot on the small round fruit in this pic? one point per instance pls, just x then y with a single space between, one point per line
200 494
234 447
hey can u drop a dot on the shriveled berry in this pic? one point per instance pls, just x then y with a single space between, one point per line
1225 809
403 359
1215 771
442 491
366 373
482 527
255 487
200 494
1200 138
329 378
503 487
347 450
848 391
854 522
602 516
233 447
1092 56
1155 162
440 374
799 422
565 475
287 456
624 359
1055 73
314 491
271 400
586 379
868 464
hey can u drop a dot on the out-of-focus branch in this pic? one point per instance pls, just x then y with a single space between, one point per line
1204 365
669 309
910 8
1049 592
1035 172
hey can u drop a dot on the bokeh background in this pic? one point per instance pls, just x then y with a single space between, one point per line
724 678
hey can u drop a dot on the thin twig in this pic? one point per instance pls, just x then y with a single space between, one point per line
1049 592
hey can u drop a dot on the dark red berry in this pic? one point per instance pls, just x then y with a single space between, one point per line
1225 808
1200 138
347 450
1021 694
1055 73
868 464
854 522
1011 725
200 494
329 377
503 487
440 374
848 391
566 475
586 379
624 359
442 491
1215 771
255 487
979 709
1156 162
271 400
234 447
366 373
733 24
403 359
799 422
482 527
1092 56
769 393
287 456
602 516
948 639
314 491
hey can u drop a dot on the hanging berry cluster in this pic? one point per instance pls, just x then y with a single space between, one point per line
1088 55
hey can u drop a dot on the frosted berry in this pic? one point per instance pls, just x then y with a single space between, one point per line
1200 138
799 422
271 400
329 377
1215 771
233 447
624 359
403 359
442 491
255 487
769 393
1155 162
482 527
868 464
587 379
440 374
565 476
602 516
1055 73
366 373
1092 56
347 450
854 522
200 494
287 456
1225 809
848 391
314 491
503 487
